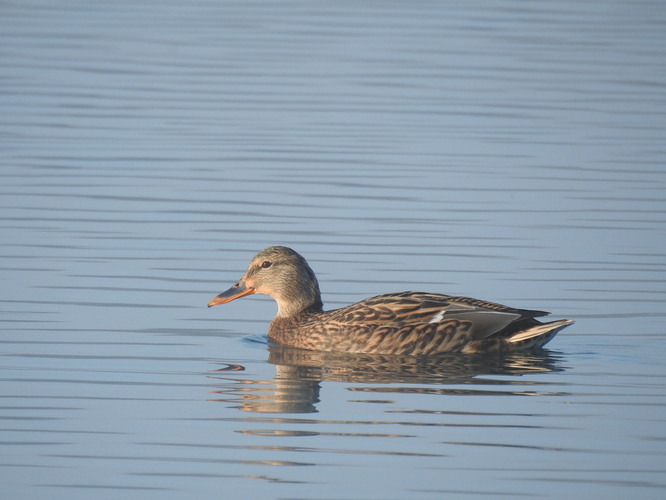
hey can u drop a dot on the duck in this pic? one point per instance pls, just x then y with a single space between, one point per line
400 323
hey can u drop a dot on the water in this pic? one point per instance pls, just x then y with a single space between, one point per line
503 150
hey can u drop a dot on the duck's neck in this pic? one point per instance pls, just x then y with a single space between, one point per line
296 308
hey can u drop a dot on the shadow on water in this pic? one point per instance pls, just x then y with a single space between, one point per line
300 373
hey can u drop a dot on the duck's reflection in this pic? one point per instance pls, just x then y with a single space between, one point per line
299 373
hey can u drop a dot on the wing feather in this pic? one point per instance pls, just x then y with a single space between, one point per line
413 308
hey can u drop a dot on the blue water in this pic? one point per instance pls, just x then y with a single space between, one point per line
503 150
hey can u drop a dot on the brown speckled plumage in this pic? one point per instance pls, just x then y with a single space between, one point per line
414 323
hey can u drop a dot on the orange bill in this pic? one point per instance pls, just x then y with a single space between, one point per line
235 292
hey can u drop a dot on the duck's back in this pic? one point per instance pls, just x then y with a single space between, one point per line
416 323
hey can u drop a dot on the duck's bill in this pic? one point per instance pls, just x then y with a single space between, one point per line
235 292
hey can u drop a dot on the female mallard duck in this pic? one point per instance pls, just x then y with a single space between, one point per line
416 323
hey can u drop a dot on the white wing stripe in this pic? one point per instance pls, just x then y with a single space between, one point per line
438 317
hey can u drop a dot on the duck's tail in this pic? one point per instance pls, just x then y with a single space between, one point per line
537 335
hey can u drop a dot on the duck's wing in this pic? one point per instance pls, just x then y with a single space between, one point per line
479 318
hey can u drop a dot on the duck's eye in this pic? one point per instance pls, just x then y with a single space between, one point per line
266 264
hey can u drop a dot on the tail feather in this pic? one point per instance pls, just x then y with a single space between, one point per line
538 335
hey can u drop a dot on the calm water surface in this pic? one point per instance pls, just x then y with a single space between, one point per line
505 150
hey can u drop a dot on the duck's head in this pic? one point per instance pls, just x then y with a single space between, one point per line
281 273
